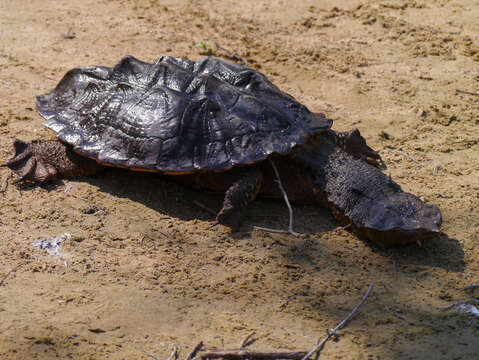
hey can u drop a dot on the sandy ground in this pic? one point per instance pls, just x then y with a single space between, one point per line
145 270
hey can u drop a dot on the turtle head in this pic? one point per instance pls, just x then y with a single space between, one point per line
400 219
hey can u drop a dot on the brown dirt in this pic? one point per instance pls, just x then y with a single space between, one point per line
146 270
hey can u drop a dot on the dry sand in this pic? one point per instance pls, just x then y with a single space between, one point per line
145 270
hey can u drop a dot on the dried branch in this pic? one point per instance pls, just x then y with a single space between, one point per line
471 287
247 341
243 354
466 92
193 352
4 186
240 354
8 274
285 196
206 208
457 303
174 353
231 54
406 155
319 347
69 34
149 354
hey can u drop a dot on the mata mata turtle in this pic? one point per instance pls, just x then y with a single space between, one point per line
214 124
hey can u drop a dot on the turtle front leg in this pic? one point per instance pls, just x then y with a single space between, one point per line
237 198
43 161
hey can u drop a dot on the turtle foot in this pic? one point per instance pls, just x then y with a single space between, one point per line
354 144
26 165
237 198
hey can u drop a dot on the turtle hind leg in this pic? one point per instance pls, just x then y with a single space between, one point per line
237 198
43 161
355 145
26 165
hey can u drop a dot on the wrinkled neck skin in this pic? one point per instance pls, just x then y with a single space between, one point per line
359 195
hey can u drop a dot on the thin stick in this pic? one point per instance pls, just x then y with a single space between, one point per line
193 352
206 208
247 341
251 354
464 302
174 353
406 155
287 301
8 274
466 92
471 287
5 183
285 197
332 333
276 231
231 54
346 226
149 354
69 34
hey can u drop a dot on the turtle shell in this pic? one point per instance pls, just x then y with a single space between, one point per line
176 116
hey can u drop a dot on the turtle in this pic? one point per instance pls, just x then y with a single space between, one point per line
218 125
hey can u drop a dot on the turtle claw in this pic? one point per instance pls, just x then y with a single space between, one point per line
25 171
22 153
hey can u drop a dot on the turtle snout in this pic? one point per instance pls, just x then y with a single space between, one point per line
407 214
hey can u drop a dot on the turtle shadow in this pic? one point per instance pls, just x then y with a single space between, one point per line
165 196
440 251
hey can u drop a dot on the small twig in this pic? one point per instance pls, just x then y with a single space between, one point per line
195 350
276 231
149 354
406 155
240 354
231 54
395 268
346 226
285 197
464 302
206 208
174 353
466 92
332 333
247 341
8 274
287 301
69 34
4 186
471 287
68 188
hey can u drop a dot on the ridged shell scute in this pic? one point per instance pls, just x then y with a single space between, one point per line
176 115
